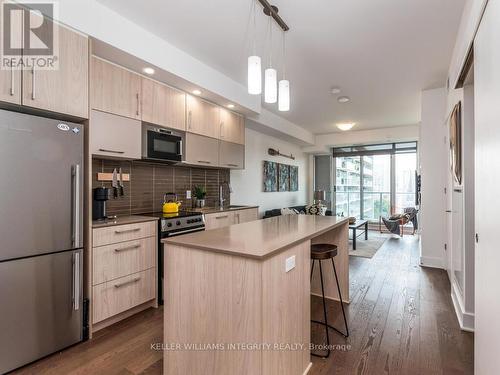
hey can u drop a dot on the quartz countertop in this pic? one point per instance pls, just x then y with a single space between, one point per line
261 238
121 220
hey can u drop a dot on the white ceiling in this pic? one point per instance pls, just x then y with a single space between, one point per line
381 53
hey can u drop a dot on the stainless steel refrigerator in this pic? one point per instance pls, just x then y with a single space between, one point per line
41 195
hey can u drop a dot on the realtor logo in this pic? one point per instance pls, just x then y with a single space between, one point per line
29 35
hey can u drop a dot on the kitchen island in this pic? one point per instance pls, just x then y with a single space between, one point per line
237 299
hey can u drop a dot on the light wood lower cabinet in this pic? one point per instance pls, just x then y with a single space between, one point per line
114 136
224 219
121 294
231 155
124 270
201 150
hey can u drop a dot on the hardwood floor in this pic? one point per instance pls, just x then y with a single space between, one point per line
401 321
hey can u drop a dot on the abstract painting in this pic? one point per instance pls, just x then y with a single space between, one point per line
270 175
294 178
283 177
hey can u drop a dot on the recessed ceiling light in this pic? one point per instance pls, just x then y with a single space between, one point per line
335 91
343 99
148 70
346 126
230 106
197 92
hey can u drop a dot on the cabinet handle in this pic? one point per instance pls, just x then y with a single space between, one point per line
137 97
33 83
232 165
112 151
222 129
11 79
127 230
127 248
127 282
221 217
190 116
204 161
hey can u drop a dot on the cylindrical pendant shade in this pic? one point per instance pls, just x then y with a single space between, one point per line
284 95
271 86
254 75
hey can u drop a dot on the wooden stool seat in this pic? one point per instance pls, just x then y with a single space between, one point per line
322 251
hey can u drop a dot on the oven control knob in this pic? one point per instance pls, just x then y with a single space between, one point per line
169 224
178 222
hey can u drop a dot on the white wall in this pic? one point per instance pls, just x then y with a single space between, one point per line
247 183
433 156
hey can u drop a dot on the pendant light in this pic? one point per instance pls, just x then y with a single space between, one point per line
270 74
254 64
284 86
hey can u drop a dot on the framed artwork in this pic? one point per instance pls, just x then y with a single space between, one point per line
283 177
456 143
294 178
270 176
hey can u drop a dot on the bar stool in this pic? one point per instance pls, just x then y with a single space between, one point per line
320 252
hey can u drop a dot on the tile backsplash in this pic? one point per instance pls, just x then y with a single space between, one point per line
150 181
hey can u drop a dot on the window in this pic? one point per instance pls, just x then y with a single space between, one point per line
374 180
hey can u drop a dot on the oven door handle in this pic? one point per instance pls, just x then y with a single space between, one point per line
199 229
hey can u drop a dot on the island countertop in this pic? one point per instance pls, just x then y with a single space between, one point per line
260 238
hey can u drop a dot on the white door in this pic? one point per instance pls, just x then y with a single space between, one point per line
487 182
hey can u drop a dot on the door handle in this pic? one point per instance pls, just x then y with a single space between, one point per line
75 175
76 281
127 282
111 151
127 230
127 248
33 83
12 80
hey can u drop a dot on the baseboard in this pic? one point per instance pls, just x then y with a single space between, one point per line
330 298
307 368
465 319
431 262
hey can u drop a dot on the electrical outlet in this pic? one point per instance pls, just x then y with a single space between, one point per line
290 263
188 194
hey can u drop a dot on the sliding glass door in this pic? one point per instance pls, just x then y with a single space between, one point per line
374 181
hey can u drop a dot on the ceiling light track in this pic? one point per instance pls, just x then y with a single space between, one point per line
271 10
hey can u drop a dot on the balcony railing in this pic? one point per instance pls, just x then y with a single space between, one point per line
375 204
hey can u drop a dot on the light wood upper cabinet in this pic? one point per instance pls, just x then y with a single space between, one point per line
163 105
114 136
115 89
202 117
231 155
65 89
201 150
10 79
232 127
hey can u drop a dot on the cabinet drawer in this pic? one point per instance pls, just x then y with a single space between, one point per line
219 220
113 261
119 295
121 233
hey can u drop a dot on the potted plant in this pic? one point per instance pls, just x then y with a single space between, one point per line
200 193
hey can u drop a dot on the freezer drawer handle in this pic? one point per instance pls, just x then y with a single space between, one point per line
127 282
127 248
127 230
76 281
75 175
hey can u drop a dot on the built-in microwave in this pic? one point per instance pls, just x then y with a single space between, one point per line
161 144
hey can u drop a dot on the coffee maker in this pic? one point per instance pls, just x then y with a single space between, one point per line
101 195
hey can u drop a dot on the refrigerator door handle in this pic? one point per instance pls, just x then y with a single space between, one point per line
76 281
75 175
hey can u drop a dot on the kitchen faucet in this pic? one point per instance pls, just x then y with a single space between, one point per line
221 193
